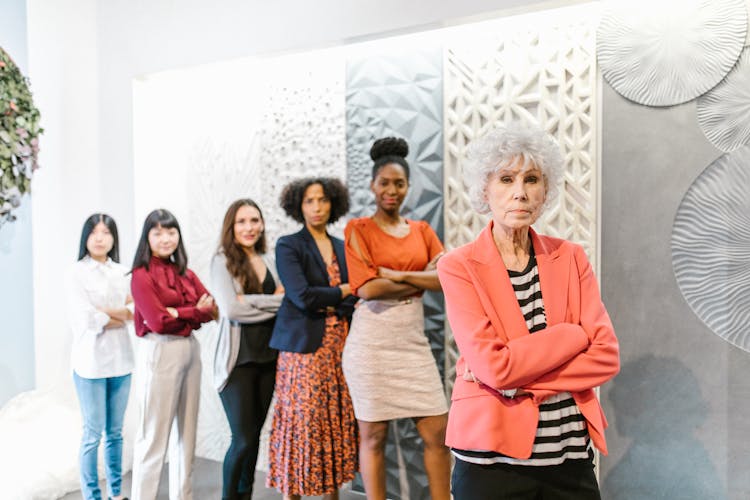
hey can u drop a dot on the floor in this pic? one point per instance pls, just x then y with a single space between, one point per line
207 485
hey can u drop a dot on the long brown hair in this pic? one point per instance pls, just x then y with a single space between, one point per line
238 264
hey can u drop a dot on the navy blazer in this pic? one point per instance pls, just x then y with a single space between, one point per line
300 322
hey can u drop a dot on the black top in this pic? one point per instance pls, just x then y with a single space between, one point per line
254 339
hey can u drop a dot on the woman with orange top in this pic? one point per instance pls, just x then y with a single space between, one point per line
387 360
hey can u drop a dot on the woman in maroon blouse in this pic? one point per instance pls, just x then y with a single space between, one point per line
170 302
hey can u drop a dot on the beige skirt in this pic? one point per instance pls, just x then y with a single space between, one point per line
388 364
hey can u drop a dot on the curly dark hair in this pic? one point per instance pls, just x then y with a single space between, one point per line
334 189
389 150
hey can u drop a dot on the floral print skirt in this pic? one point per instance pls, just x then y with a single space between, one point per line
313 443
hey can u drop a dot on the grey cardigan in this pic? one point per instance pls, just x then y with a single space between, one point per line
253 309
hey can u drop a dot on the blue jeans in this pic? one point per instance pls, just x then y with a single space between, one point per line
103 402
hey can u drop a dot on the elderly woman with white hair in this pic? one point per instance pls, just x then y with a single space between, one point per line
532 331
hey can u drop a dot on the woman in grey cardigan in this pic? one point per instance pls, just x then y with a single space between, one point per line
248 294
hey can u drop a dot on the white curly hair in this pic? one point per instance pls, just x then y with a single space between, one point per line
503 146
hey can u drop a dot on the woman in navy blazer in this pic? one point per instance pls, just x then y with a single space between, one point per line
300 323
311 327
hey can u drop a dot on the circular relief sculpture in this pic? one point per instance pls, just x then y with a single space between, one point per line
711 247
662 53
724 111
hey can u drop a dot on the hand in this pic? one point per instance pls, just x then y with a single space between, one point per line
346 290
390 274
172 312
114 323
119 313
432 265
240 298
205 302
468 375
279 290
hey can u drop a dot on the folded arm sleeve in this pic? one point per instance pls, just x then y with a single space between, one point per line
84 318
151 308
497 362
265 303
196 315
433 243
600 361
303 294
359 262
254 308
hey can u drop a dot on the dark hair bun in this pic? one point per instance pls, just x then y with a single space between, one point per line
389 146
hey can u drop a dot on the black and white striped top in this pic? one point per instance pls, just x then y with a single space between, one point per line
561 433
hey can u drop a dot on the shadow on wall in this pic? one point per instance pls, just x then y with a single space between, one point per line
657 406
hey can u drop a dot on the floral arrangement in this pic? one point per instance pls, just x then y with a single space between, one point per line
19 137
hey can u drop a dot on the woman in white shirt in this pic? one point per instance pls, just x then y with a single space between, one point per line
102 356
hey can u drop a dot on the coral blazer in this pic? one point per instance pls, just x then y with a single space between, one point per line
576 352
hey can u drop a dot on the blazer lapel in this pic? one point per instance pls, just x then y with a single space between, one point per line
554 274
313 250
492 278
338 249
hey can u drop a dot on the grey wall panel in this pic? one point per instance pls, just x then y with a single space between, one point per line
401 95
675 410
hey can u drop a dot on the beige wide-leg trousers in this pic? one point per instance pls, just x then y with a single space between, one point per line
167 385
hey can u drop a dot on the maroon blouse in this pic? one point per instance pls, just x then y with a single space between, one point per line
161 286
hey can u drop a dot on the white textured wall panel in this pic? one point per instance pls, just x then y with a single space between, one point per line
210 135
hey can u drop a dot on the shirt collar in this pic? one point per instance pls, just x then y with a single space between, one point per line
94 264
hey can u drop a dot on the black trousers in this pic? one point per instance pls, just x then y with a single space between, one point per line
573 480
246 399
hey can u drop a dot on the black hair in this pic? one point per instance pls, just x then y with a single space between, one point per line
333 188
389 150
88 228
163 218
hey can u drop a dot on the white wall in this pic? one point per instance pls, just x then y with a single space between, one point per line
63 65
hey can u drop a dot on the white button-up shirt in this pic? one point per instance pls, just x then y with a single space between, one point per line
98 353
